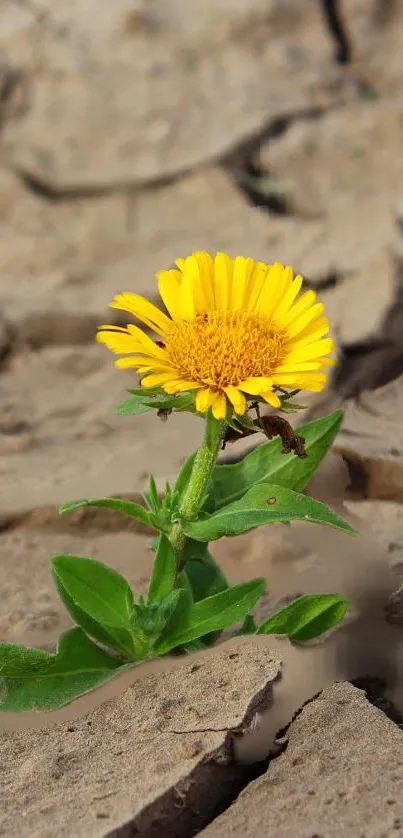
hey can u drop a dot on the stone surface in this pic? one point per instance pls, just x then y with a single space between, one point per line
178 89
79 388
342 774
332 168
61 263
371 442
158 757
351 322
386 520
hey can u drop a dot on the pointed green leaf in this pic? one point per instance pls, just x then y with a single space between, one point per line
151 496
263 504
166 610
31 679
213 614
143 400
164 571
184 401
118 639
133 406
95 588
248 626
177 621
268 463
126 507
204 574
307 617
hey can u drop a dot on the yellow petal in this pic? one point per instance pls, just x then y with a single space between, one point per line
142 309
222 281
302 321
143 360
180 385
198 265
306 301
288 298
169 283
204 399
313 332
111 327
278 279
312 351
206 276
145 342
255 385
157 380
219 406
326 362
256 285
237 399
271 398
304 366
242 270
304 381
314 385
119 342
187 298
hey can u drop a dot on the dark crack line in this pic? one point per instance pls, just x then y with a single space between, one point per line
202 730
337 29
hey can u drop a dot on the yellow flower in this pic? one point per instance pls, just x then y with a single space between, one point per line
234 329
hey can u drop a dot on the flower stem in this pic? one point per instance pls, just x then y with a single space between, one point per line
194 495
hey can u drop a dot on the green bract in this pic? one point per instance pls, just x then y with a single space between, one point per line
189 600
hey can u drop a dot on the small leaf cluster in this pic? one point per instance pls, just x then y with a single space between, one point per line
188 602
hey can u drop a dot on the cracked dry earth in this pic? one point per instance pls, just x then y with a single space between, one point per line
123 145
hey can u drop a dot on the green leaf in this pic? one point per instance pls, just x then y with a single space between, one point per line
178 619
120 640
263 504
184 401
31 679
268 463
144 400
126 507
163 574
204 575
307 617
248 626
134 405
213 614
95 588
151 496
153 543
166 610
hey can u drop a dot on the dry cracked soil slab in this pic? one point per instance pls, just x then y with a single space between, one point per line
158 757
61 440
178 89
63 262
321 159
371 443
341 774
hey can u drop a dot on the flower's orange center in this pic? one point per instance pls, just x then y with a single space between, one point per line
224 347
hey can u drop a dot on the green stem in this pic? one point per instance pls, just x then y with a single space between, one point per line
194 495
